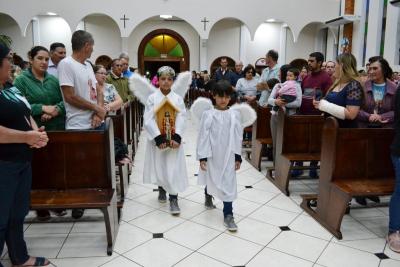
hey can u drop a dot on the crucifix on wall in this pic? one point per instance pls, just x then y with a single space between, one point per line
124 19
205 21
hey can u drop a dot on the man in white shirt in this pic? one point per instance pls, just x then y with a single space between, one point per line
57 53
83 103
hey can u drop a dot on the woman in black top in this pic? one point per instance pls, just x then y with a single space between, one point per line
18 135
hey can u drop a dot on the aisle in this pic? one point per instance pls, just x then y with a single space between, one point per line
273 230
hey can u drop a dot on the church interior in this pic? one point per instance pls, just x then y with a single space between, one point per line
282 220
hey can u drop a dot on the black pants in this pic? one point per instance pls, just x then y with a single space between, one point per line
15 187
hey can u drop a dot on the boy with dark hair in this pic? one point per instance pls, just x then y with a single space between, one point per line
219 146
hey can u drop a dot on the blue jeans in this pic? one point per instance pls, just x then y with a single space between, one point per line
228 210
394 207
15 187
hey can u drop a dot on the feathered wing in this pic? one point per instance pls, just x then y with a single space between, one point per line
247 114
182 83
141 88
200 105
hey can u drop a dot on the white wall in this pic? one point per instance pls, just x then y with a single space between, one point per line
224 40
54 29
304 45
106 35
183 28
21 45
266 37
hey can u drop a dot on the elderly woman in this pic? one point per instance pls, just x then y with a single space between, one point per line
380 91
42 91
18 135
246 87
112 100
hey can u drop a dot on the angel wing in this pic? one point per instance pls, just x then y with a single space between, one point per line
182 83
247 114
200 105
141 87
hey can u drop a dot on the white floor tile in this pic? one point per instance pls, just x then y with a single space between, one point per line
89 227
137 190
389 263
285 203
199 260
157 221
49 228
366 213
130 236
231 250
256 231
391 254
256 195
151 200
158 252
191 235
266 185
120 262
309 226
133 210
274 216
84 245
375 245
341 256
83 262
377 225
242 207
272 258
299 245
353 230
48 245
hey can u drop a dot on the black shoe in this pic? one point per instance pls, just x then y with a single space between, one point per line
209 202
374 199
43 215
162 195
361 200
77 213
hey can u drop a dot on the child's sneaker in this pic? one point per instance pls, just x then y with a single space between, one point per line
230 224
393 240
162 195
209 202
174 207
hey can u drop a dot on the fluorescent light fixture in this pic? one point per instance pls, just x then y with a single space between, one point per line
395 3
271 20
51 14
166 16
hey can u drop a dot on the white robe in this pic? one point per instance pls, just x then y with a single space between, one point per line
167 167
220 138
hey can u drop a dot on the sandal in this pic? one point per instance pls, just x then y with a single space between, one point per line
39 261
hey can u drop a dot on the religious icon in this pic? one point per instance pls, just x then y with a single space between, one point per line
166 117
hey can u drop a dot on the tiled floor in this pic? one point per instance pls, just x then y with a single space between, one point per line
198 238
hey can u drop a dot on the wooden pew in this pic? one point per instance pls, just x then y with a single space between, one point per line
298 138
354 162
261 135
119 126
76 170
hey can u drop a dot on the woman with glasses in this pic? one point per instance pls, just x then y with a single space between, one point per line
112 100
246 87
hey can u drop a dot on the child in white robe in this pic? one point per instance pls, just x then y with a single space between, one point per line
219 148
165 166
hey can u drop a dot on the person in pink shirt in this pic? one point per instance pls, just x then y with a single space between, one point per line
287 90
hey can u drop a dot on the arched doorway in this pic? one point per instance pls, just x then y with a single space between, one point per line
163 47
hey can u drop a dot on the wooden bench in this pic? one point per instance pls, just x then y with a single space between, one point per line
261 135
76 170
298 139
354 162
119 126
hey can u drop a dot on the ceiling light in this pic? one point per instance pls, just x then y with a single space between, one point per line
51 14
271 20
166 16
